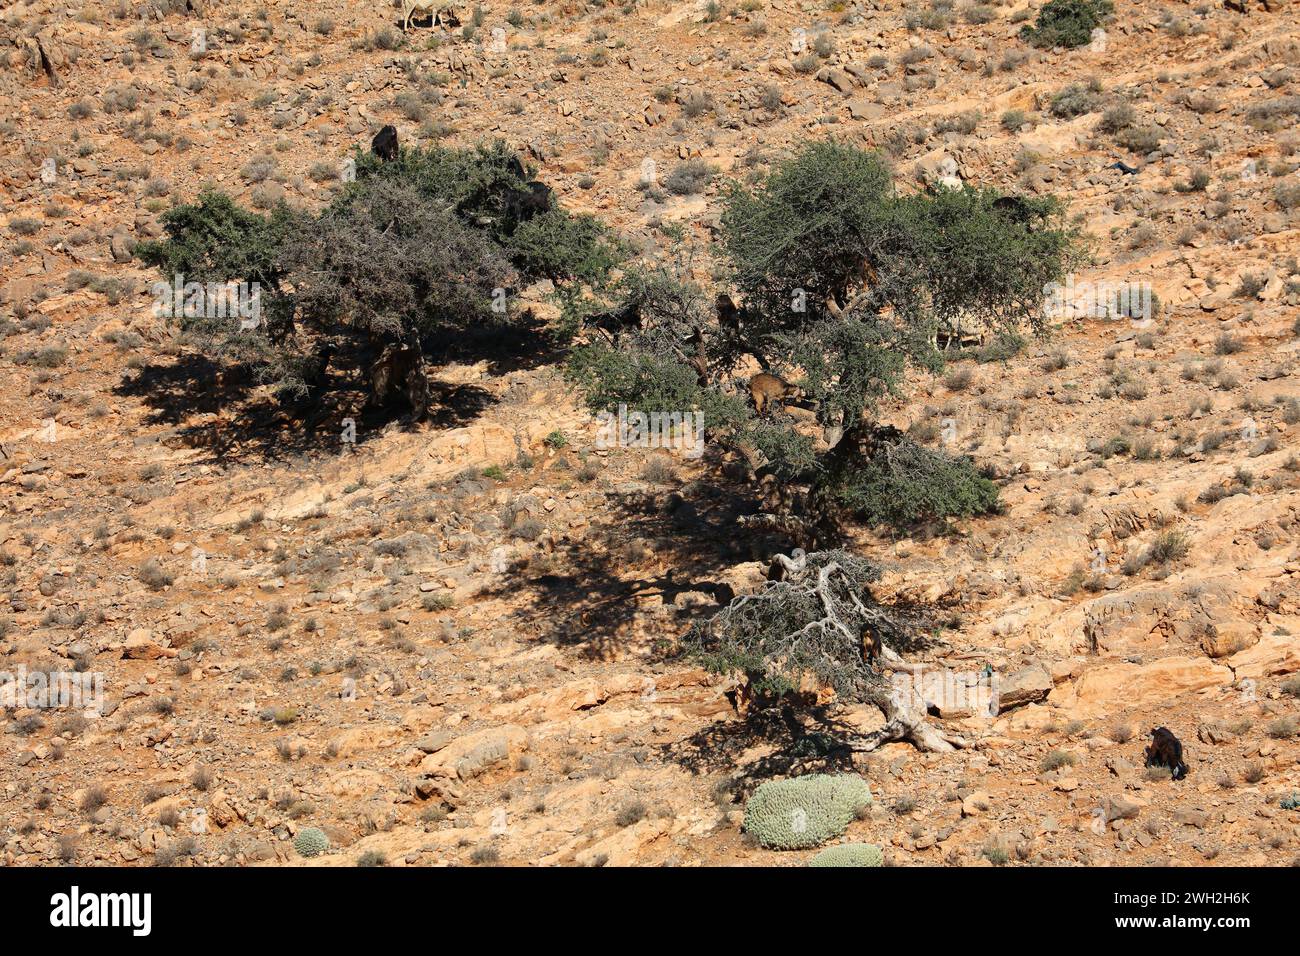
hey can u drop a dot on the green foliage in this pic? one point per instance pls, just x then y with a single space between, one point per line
789 452
559 246
477 183
648 383
849 363
690 177
385 259
670 304
1067 23
828 224
805 812
215 240
1003 346
609 376
1291 801
903 483
485 186
847 281
1141 139
1073 100
963 261
807 227
849 854
417 251
650 369
826 234
311 841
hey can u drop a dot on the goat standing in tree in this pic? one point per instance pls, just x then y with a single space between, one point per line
766 388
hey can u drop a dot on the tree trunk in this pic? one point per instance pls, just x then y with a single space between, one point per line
417 385
905 719
400 370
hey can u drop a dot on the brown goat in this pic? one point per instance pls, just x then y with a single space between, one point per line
766 388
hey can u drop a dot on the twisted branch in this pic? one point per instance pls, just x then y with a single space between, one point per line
811 624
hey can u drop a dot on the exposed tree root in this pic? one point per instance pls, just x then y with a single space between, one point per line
905 720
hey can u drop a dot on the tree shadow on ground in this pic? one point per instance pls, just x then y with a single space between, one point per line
266 428
644 549
720 748
520 345
588 592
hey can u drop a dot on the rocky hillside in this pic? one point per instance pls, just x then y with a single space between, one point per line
443 645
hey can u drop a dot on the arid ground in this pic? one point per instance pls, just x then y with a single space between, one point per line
435 665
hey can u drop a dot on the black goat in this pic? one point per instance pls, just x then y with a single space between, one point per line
1166 750
384 145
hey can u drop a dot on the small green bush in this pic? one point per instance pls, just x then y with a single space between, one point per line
690 177
1140 139
1284 728
1287 195
1119 117
849 854
311 842
1170 546
1012 120
1067 23
1075 100
805 812
1055 760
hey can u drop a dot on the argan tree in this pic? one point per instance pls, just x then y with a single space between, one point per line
648 349
844 283
814 629
400 264
1067 23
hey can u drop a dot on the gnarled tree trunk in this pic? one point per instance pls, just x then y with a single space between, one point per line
400 370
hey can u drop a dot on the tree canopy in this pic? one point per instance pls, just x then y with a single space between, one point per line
844 284
410 254
1067 23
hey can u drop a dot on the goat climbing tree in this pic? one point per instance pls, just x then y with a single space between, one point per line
844 285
